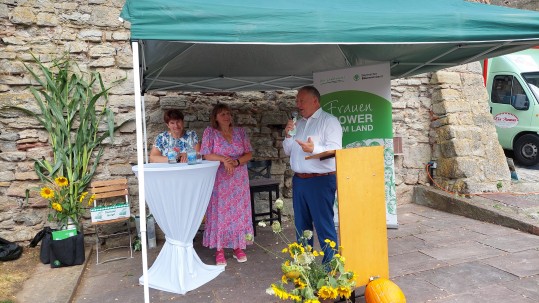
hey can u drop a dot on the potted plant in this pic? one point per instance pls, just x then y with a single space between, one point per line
77 127
305 278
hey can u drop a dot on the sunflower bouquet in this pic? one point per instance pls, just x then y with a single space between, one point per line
65 203
305 278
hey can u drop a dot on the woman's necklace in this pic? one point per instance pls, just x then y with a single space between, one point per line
227 134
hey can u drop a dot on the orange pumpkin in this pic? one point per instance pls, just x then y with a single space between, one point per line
381 290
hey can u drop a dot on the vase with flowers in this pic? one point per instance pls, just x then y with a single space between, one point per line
66 207
304 277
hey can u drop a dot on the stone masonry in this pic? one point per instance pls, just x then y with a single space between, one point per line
441 116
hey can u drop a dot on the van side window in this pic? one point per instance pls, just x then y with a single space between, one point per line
507 88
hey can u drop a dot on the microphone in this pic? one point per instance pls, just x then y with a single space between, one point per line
294 117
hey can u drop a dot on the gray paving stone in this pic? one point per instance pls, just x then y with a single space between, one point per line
448 222
522 264
408 230
528 287
462 252
405 244
490 229
513 242
448 237
457 276
418 290
491 293
408 217
466 277
412 262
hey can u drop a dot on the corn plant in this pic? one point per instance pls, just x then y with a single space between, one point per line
67 99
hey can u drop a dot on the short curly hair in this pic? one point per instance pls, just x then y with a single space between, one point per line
172 114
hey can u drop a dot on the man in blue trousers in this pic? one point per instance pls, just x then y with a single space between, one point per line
314 183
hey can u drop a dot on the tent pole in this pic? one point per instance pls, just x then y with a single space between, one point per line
140 161
145 137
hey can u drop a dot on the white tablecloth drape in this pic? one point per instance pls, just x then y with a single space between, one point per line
177 196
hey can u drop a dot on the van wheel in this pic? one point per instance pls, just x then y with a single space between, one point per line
526 150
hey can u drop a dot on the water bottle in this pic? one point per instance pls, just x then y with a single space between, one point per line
171 154
150 231
292 132
171 157
191 152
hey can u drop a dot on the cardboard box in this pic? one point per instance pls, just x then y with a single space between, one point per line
64 234
105 213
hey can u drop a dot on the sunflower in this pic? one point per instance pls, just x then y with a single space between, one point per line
57 206
61 181
327 292
295 248
47 193
344 291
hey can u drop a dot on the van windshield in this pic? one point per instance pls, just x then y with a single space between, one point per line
533 82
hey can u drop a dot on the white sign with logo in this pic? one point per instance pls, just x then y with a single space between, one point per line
505 120
360 97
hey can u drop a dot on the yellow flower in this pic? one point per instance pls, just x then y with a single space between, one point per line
285 250
57 206
284 279
47 193
293 274
315 253
295 248
287 263
82 196
343 291
327 292
300 283
279 292
321 253
332 244
61 181
327 240
312 301
91 200
295 298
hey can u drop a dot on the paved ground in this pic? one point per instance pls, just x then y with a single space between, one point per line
434 256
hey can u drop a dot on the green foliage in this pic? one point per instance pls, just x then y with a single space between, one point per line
77 125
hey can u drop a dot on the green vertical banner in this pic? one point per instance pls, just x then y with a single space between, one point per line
360 97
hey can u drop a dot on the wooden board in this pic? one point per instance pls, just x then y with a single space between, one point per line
362 211
322 156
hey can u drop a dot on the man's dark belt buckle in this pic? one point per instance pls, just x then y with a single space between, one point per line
312 175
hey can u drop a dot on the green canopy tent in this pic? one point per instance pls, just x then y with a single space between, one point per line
203 45
255 45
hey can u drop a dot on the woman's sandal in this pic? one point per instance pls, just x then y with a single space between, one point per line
220 257
239 255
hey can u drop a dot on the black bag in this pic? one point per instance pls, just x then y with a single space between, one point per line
67 252
45 235
9 250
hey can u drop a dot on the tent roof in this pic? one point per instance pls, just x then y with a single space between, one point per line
230 45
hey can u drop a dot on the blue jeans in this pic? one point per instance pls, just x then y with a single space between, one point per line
313 200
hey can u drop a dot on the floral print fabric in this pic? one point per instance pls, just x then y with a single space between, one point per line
164 142
228 217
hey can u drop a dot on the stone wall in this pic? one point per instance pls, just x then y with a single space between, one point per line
90 31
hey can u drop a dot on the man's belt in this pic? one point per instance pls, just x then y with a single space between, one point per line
312 175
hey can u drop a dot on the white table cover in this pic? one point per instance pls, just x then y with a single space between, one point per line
178 195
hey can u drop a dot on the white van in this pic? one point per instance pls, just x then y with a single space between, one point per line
512 82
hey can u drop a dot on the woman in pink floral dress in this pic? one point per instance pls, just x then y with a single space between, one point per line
228 218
